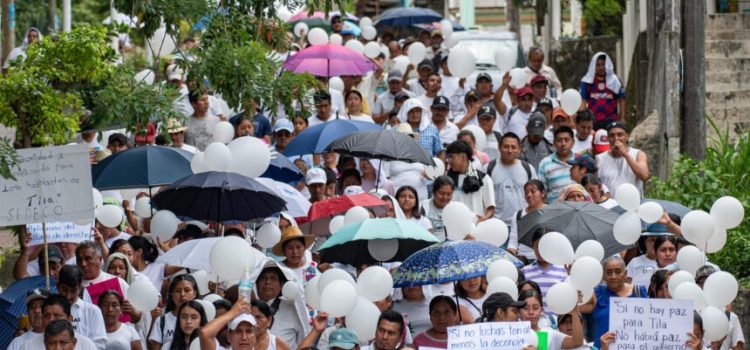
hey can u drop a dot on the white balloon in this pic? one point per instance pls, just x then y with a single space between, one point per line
334 274
201 279
223 132
338 298
97 197
570 101
230 256
250 156
728 212
437 170
382 249
312 294
335 224
503 285
218 157
363 319
450 42
109 215
416 52
145 76
355 45
195 344
212 297
493 231
479 136
690 259
715 323
356 214
590 248
446 28
336 39
721 288
586 273
677 278
375 283
198 163
650 212
317 36
372 49
628 197
627 228
698 226
691 291
290 290
518 78
454 218
336 83
300 29
562 298
143 296
164 225
208 308
268 235
505 58
143 207
400 63
555 248
587 294
369 32
502 268
365 22
717 241
461 62
531 340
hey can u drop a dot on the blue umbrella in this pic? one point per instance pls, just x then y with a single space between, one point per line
219 196
315 139
141 167
13 304
407 16
449 261
283 170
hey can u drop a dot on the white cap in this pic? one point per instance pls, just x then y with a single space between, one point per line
315 176
352 190
174 72
242 318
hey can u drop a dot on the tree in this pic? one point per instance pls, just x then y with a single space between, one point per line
603 17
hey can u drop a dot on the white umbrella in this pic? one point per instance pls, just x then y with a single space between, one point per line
296 204
194 254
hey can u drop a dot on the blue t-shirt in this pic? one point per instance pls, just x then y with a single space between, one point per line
601 309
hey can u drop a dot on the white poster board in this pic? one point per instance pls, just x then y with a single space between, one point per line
64 231
650 324
490 335
52 184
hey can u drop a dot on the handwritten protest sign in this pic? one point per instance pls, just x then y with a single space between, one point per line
59 232
646 324
52 184
492 335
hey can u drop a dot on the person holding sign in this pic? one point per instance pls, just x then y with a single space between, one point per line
695 338
532 312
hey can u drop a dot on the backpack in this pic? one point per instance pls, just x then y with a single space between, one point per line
526 166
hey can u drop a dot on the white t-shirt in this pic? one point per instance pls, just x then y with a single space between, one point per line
580 146
555 338
361 118
314 120
189 148
448 133
415 87
640 269
20 340
477 201
417 313
88 321
516 123
422 221
200 131
523 250
472 305
163 333
122 338
426 100
121 235
37 342
609 203
509 182
155 273
408 174
735 334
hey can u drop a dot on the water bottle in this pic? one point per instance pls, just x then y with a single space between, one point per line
246 285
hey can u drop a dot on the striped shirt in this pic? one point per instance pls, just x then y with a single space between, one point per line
545 278
555 175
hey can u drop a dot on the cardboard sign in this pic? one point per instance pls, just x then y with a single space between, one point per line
59 232
52 184
490 335
646 324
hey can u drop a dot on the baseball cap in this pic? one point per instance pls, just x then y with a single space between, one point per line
352 190
53 252
36 294
500 300
241 318
618 124
544 101
538 79
484 75
441 102
425 63
559 112
524 91
401 95
174 72
343 338
486 110
585 161
472 94
315 176
395 74
601 141
536 124
283 124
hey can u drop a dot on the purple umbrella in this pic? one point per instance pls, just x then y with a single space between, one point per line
329 61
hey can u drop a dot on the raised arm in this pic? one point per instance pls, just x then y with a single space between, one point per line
212 329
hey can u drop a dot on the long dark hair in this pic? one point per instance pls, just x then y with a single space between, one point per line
170 302
658 280
263 307
661 240
150 252
414 211
178 341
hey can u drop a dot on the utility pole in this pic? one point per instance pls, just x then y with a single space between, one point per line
52 16
9 22
513 16
693 102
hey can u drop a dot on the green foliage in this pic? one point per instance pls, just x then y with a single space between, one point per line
603 17
697 184
8 159
151 13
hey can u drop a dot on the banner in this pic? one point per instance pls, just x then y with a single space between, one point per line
490 335
52 184
646 324
59 232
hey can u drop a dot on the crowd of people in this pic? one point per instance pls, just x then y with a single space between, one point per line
508 151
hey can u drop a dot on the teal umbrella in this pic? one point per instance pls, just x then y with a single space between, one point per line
351 244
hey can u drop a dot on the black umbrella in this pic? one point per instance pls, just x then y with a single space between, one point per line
381 144
219 196
141 167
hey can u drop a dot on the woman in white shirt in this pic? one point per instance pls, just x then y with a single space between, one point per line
535 195
471 294
354 107
408 200
120 336
556 340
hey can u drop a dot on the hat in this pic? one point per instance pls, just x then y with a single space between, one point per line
174 72
499 300
405 128
53 252
352 190
36 294
472 94
149 136
538 79
315 176
484 75
544 101
559 112
425 63
395 74
524 91
101 154
601 141
241 318
343 338
656 230
401 95
536 124
585 161
291 233
618 124
283 124
486 110
174 126
348 29
441 102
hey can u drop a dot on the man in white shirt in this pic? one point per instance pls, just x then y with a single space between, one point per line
56 309
440 109
87 318
509 175
385 101
34 302
487 116
89 259
518 117
432 87
473 188
322 100
622 163
584 131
